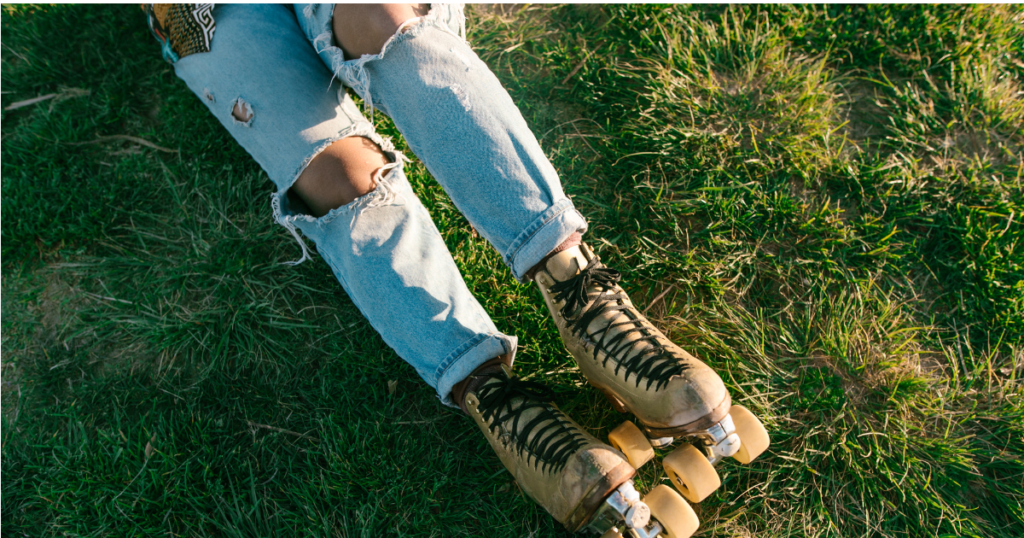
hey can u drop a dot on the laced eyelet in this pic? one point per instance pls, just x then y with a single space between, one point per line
548 438
644 356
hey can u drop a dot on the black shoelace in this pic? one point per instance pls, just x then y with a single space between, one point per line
644 357
554 439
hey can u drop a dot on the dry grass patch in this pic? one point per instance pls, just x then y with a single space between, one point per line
738 77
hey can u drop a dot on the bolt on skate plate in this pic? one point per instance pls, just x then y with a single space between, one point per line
661 513
691 466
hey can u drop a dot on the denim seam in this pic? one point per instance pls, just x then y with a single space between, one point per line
538 225
340 275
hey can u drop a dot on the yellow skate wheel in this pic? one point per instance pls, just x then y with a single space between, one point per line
632 442
753 437
691 473
676 517
612 533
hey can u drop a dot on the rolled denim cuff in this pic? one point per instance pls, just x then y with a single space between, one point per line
541 237
469 357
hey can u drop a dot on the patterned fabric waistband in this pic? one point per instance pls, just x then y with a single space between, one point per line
182 29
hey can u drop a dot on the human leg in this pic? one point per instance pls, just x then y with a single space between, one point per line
458 119
581 481
268 88
456 116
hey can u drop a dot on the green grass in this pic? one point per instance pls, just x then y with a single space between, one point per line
823 202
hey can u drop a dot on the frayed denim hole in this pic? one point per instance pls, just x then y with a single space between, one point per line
384 193
353 72
288 221
323 41
360 128
242 113
280 204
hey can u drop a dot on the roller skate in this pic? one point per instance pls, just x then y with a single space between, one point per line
673 395
583 483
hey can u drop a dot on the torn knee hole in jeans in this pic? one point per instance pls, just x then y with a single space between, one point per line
242 112
445 17
341 172
296 203
385 192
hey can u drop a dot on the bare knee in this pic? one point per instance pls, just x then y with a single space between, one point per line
364 28
338 175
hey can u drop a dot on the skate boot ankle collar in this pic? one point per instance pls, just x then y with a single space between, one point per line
565 264
573 240
477 378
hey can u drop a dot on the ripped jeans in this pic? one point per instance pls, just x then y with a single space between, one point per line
282 65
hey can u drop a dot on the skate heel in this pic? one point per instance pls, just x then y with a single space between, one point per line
661 513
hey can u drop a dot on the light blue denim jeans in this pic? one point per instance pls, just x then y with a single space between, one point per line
283 66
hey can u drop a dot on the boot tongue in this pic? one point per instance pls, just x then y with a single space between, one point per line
566 264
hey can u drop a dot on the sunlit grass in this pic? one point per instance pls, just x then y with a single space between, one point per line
823 202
